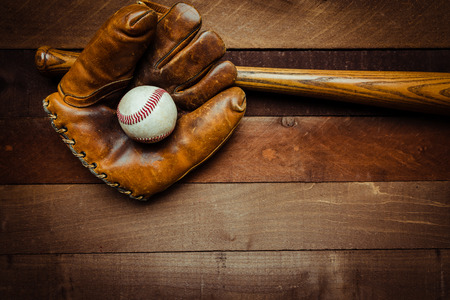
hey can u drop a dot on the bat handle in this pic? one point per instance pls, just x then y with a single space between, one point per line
53 62
415 91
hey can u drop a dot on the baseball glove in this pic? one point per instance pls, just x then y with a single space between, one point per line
147 44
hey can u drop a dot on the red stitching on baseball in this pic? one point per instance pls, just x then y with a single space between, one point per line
144 111
154 139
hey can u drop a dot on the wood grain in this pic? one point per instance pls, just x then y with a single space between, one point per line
263 149
317 149
413 274
208 217
424 92
304 24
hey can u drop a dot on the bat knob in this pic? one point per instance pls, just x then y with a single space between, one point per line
41 57
54 62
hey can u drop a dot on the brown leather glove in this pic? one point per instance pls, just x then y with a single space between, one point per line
160 42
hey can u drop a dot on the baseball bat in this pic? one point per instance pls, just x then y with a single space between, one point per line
426 92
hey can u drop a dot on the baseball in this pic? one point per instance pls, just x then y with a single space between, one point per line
147 114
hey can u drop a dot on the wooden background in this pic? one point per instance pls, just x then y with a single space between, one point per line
309 199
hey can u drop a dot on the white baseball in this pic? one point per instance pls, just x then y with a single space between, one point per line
147 114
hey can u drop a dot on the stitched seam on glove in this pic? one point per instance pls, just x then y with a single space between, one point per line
83 101
160 63
180 44
192 81
158 8
81 155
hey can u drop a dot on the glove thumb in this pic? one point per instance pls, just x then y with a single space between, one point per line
107 63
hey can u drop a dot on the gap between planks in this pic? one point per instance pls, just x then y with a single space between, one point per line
268 251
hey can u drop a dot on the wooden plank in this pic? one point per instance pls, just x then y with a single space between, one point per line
318 149
207 217
412 274
23 88
306 24
263 149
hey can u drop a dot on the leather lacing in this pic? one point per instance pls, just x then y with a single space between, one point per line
81 155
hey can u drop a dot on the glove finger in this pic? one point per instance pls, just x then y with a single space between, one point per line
218 78
174 31
107 63
189 64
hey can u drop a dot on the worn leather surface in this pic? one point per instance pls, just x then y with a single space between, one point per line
186 69
107 63
83 110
